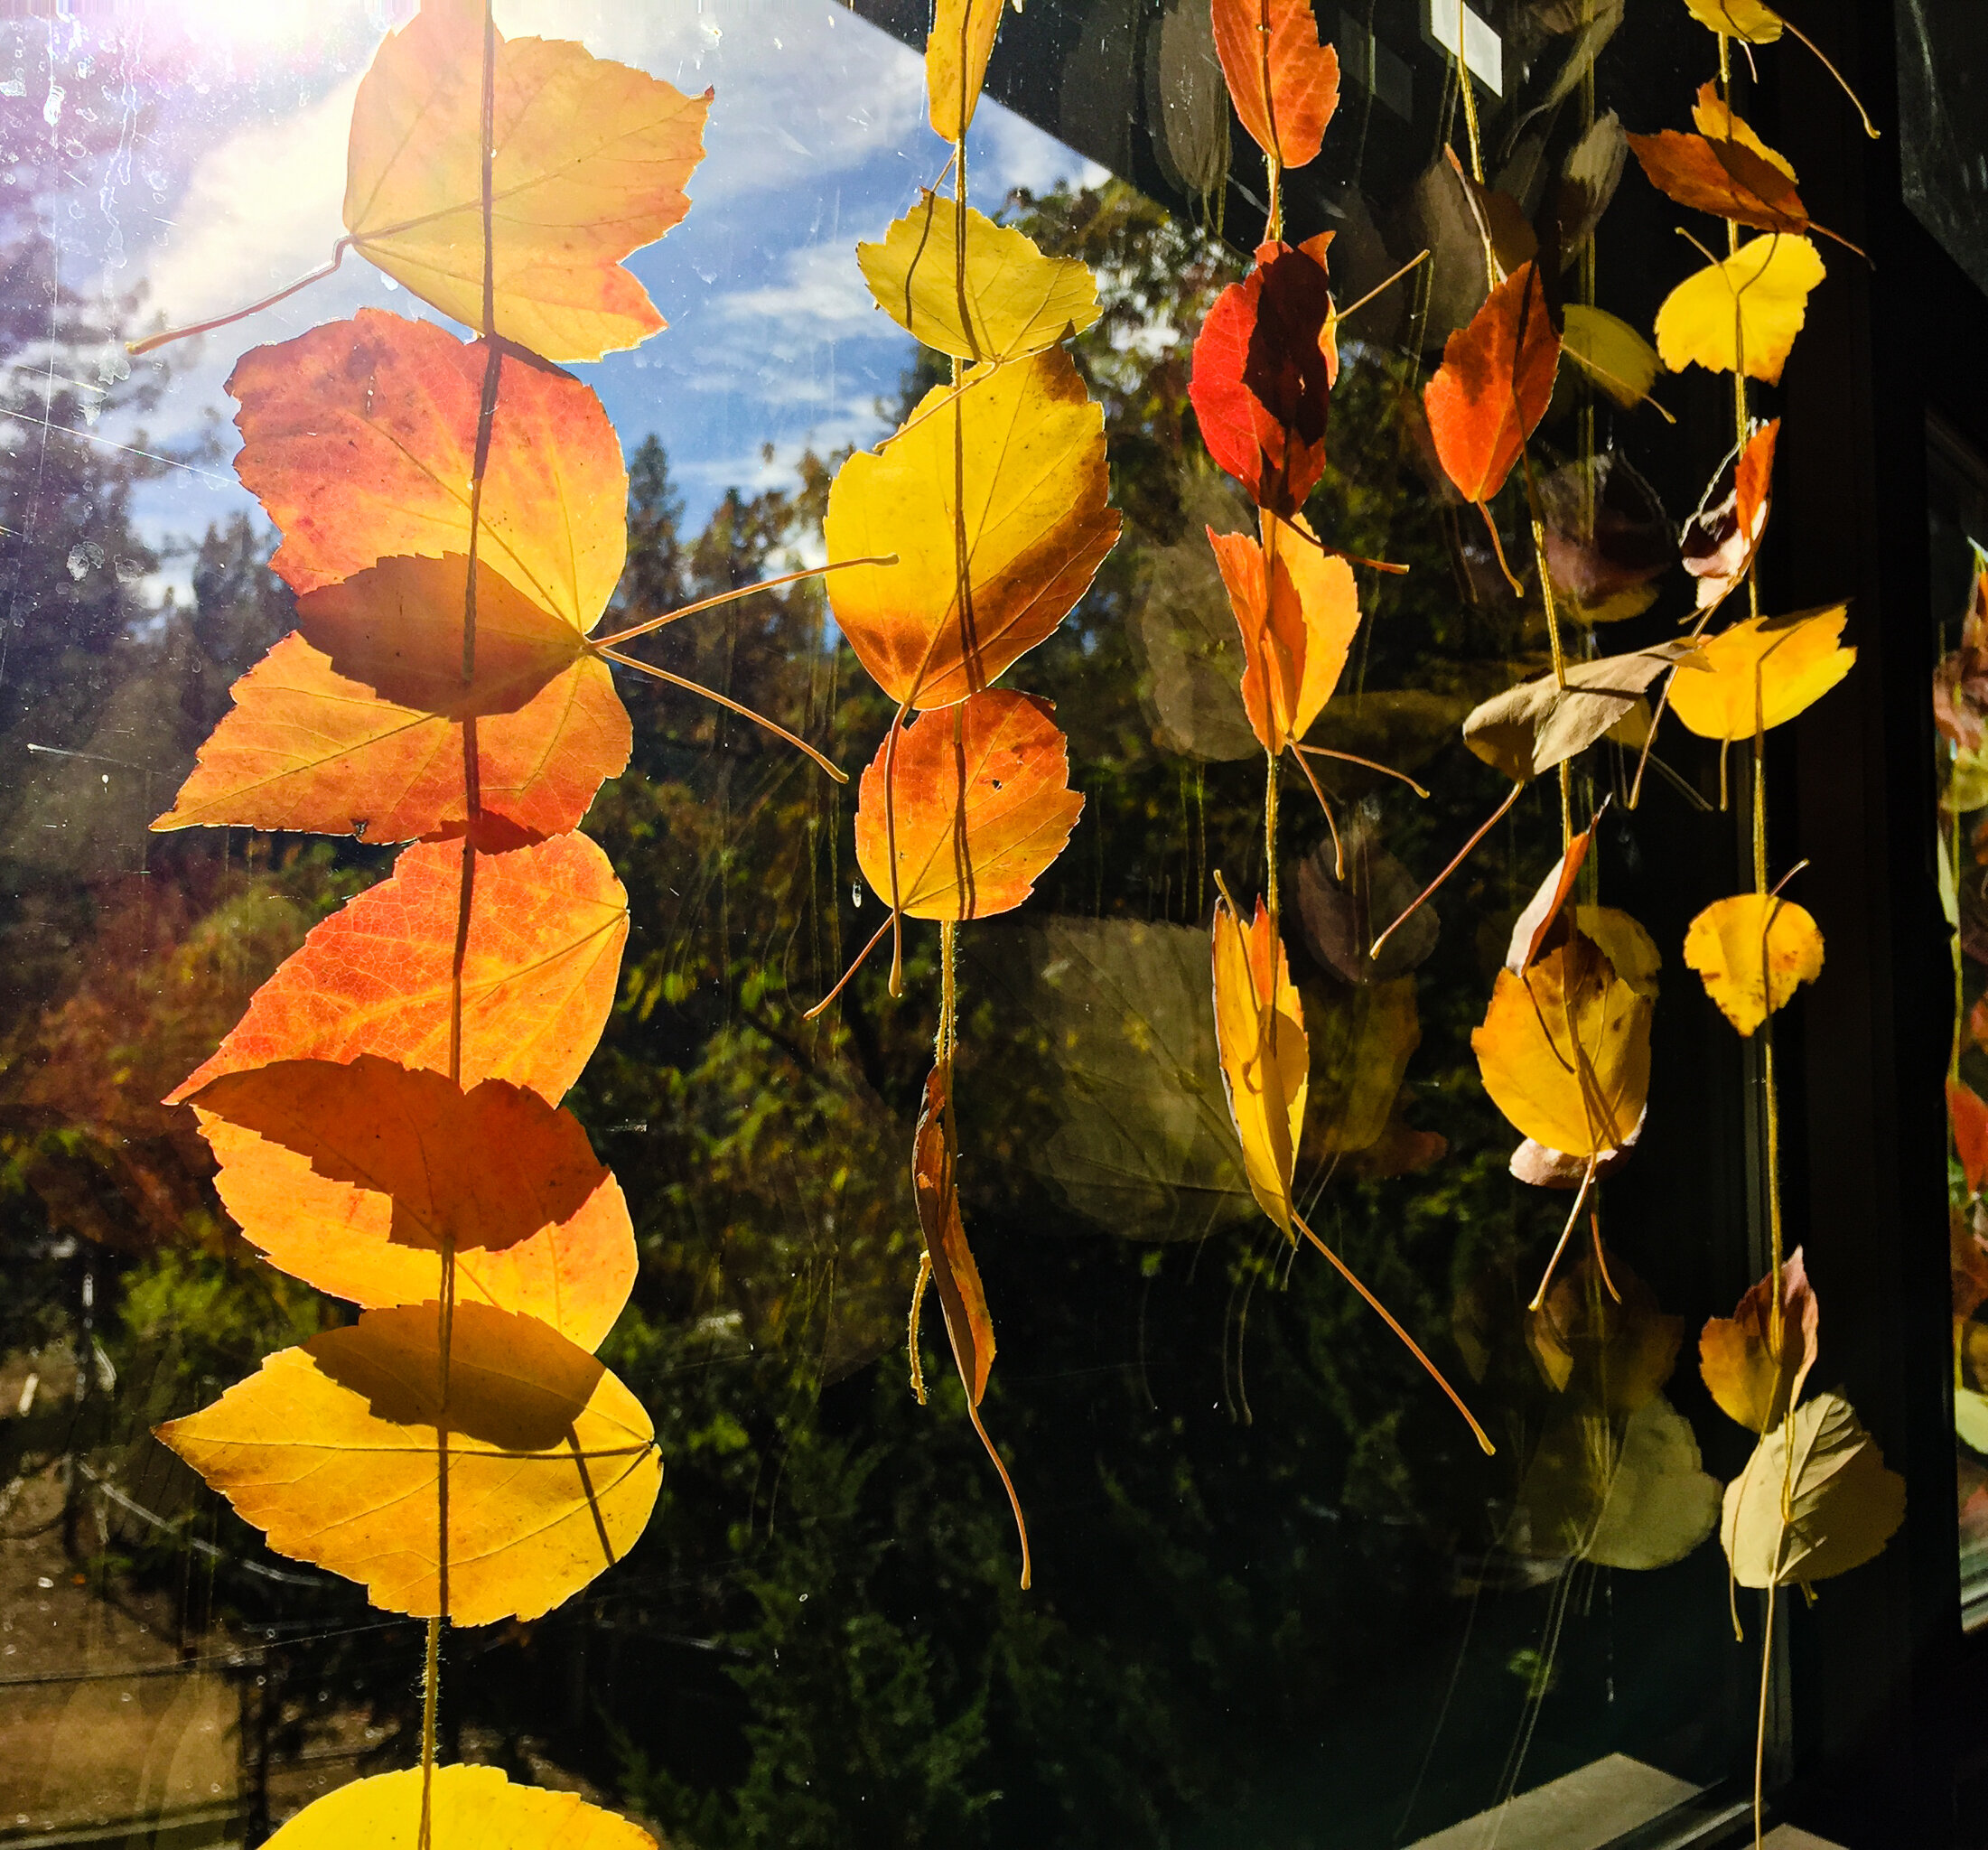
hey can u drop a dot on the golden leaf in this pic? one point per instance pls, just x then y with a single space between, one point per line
470 1808
1755 300
1765 669
1738 19
1753 950
1612 353
1266 1057
956 60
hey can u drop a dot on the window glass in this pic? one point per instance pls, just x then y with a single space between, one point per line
1279 1594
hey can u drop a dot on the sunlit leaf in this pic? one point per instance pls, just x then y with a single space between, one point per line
1494 385
1727 171
589 162
1285 85
1007 302
1716 120
1763 670
1840 1503
1630 949
1564 1050
955 1276
541 957
956 61
1753 950
1029 443
469 1809
360 440
305 748
1736 1354
982 804
335 1449
1266 1057
1532 727
353 1177
1297 608
1756 299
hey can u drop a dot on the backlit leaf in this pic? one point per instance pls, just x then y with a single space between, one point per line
1753 950
1764 668
540 961
1494 385
1532 727
1738 19
335 1451
983 804
1737 1357
1841 1504
1266 1057
1030 445
935 1177
1297 608
305 748
590 161
359 439
1017 302
469 1807
1564 1050
1285 85
352 1177
956 61
1731 174
1755 300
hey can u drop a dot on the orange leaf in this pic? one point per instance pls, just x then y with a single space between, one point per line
1494 385
353 1178
1013 458
540 959
1297 623
1285 83
1968 1116
1737 1359
935 1177
304 748
1731 176
982 802
1533 926
1724 534
359 439
589 159
1265 1055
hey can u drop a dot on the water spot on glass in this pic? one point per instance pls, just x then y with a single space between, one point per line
83 556
855 892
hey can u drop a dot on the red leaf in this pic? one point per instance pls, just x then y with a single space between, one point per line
1285 83
1968 1116
1495 382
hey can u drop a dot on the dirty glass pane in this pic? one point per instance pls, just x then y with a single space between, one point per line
1943 78
1279 1595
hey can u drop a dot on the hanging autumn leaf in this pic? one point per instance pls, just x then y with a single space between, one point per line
956 61
1967 1118
1532 727
1297 607
1266 1057
1534 926
1028 445
1722 539
335 1449
1494 385
1610 353
980 798
305 748
1005 301
1960 684
1726 170
360 440
1263 366
1564 1050
1738 19
588 161
1284 84
1814 1499
541 954
1737 1357
468 1808
355 1177
1753 950
1762 671
1753 302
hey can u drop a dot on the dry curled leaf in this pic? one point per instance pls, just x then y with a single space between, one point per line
979 798
468 1808
1762 672
934 1178
1841 1504
336 1451
1285 83
1736 1354
1266 1057
1723 538
1752 303
1753 950
588 161
1532 727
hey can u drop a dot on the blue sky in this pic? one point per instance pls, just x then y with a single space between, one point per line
817 138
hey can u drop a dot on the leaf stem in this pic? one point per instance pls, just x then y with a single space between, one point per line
1463 854
649 624
725 701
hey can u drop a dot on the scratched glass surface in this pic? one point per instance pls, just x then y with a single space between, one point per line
1279 1594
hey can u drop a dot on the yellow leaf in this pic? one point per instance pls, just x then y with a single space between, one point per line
591 162
1016 301
1564 1050
1812 1502
1266 1057
1028 445
1755 299
1738 19
333 1450
1612 353
1623 941
1785 664
956 60
470 1808
1753 950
